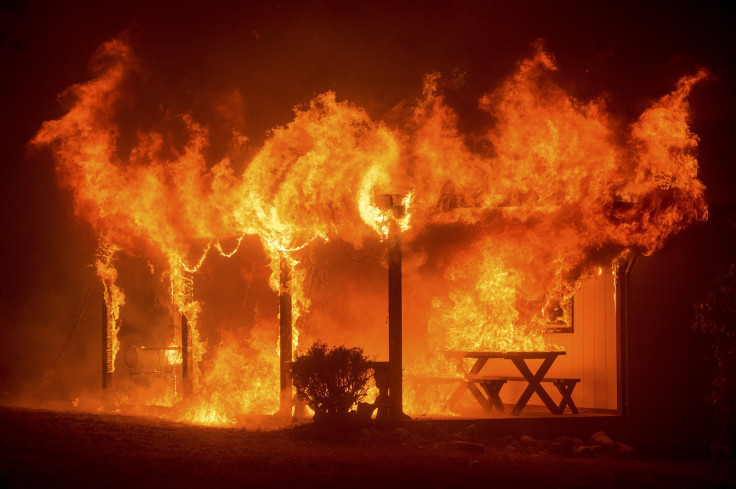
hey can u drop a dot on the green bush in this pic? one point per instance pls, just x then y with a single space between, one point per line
332 380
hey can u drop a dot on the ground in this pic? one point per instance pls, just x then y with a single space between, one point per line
73 449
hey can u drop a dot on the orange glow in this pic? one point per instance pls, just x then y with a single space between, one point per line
557 191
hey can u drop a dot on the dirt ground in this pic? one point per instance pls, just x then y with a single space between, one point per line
72 449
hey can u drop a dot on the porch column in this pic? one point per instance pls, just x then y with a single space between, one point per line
106 346
395 313
285 338
186 358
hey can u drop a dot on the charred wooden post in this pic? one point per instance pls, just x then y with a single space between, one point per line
395 312
186 358
106 346
285 338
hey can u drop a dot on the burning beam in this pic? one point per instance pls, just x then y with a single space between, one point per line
106 346
285 338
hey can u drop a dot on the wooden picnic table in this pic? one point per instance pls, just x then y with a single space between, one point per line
491 385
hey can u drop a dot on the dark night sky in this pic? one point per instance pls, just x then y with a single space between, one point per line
278 56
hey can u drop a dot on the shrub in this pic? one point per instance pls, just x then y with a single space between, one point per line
332 380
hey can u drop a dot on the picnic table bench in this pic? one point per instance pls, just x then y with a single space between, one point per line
491 385
486 388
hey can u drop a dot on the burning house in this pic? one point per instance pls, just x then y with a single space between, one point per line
514 241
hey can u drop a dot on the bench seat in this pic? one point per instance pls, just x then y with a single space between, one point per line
519 378
492 384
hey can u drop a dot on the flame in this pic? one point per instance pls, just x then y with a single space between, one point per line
549 199
484 318
244 379
557 191
114 299
173 354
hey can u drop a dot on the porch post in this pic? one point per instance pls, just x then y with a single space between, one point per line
106 345
285 338
186 357
395 314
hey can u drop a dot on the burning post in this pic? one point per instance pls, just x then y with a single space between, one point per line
106 346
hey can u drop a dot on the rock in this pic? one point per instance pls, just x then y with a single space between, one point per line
399 435
461 446
602 439
582 451
498 443
576 442
565 440
624 450
527 441
469 433
561 449
599 450
543 445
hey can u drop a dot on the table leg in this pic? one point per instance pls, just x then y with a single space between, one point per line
484 402
466 385
492 389
535 385
566 388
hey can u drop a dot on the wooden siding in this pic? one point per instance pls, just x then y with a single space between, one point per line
591 350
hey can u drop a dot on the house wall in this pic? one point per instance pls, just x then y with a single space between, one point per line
591 350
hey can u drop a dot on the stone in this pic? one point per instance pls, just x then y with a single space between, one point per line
582 451
470 432
399 435
576 442
461 446
624 450
543 445
498 443
602 439
561 449
527 441
565 440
